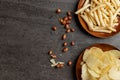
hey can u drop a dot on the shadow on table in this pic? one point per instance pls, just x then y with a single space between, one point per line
74 70
80 26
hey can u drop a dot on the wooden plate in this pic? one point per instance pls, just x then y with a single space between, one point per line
104 47
96 34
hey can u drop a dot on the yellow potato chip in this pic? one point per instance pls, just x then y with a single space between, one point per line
101 65
116 53
104 77
85 75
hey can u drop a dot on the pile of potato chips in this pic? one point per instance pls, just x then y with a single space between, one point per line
100 15
100 65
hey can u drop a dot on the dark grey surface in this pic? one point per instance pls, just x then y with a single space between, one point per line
26 37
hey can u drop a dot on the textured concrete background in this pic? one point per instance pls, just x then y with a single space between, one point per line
26 37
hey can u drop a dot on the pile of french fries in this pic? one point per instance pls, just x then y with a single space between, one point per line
100 15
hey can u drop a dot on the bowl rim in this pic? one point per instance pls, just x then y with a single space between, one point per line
103 46
93 33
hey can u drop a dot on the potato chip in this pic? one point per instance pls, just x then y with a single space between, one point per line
104 77
116 53
101 65
85 75
114 73
93 73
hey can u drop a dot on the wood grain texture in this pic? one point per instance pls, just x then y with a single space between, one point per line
26 37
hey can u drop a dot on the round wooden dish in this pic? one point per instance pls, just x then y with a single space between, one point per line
96 34
104 47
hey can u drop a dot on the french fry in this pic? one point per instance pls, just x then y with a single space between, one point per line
100 28
101 19
106 22
101 15
105 16
117 11
109 5
82 9
87 10
111 22
117 3
96 2
114 4
96 18
111 18
104 31
91 5
93 20
86 3
105 11
97 7
87 21
112 29
115 20
115 24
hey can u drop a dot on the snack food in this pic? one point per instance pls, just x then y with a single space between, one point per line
100 65
100 15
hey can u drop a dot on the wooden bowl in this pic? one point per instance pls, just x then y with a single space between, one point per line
104 47
96 34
